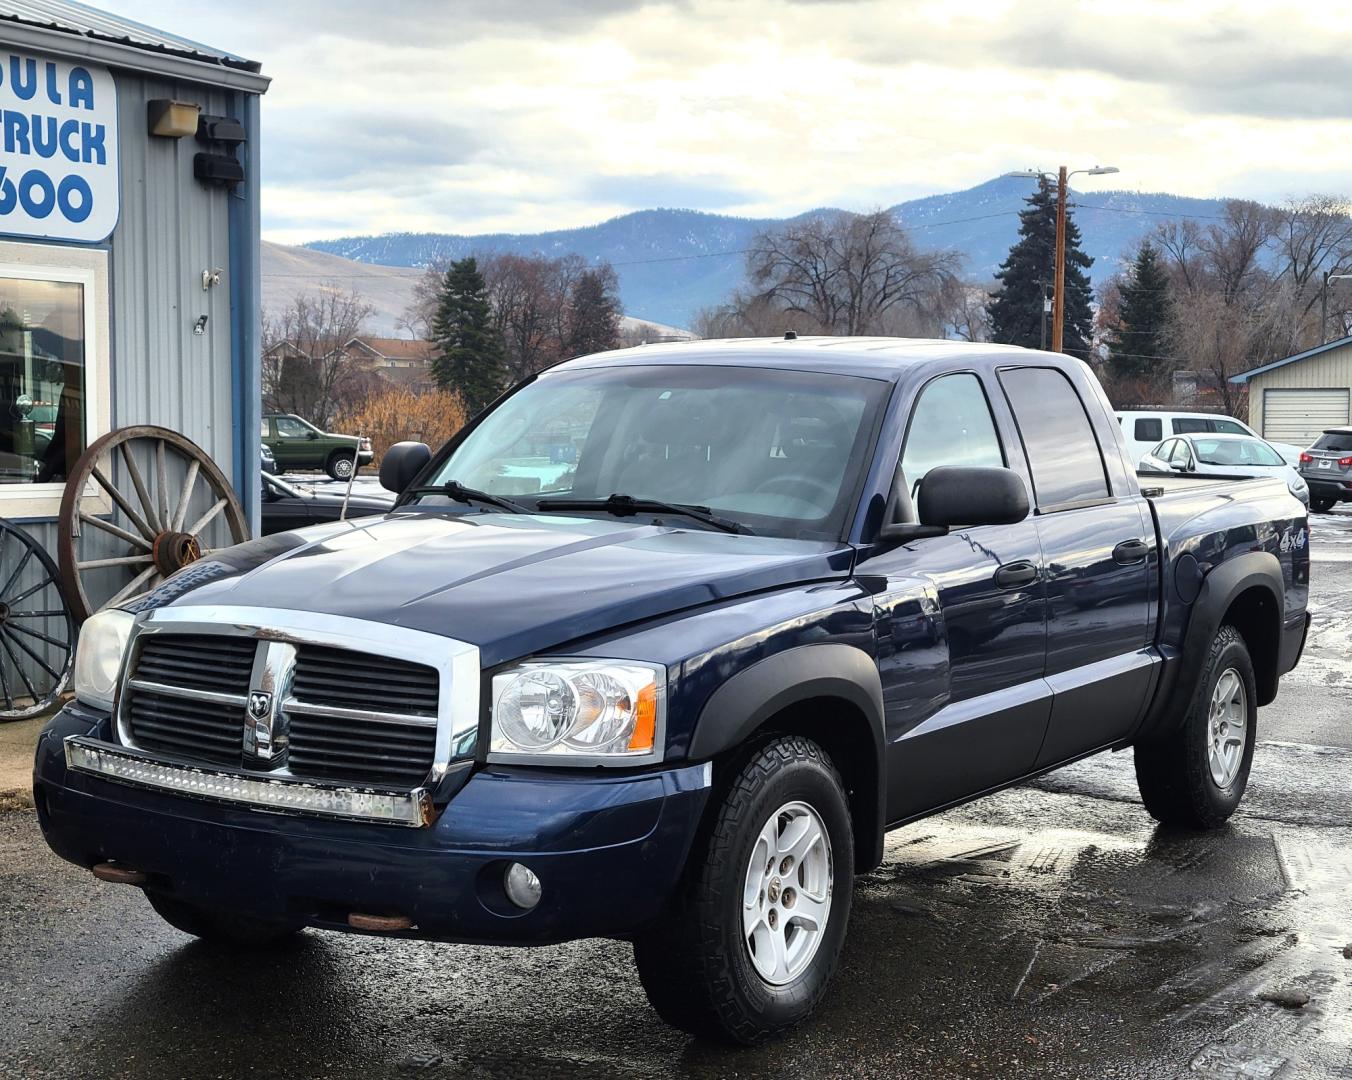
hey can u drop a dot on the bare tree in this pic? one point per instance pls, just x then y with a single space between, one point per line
847 273
306 369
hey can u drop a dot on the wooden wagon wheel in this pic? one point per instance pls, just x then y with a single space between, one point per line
156 503
37 627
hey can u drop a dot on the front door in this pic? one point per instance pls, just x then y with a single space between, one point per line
294 445
961 625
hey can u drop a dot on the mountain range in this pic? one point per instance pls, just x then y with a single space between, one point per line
671 263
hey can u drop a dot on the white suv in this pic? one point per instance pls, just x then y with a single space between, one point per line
1144 430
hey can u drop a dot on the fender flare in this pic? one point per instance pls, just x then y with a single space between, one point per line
1219 589
740 706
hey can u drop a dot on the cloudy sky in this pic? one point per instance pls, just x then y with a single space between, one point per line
525 115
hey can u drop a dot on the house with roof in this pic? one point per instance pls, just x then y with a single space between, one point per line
1294 399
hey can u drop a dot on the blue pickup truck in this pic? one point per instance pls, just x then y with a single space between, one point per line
661 645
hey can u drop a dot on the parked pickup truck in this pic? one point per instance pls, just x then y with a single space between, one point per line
661 645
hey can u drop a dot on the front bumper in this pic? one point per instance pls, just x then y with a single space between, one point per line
608 849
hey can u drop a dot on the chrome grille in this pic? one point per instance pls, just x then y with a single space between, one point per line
343 715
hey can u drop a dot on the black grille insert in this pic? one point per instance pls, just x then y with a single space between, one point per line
350 680
218 663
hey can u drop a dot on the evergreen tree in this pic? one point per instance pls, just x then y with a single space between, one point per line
469 357
1016 308
1140 345
593 313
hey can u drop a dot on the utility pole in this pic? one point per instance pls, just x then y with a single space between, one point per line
1059 288
1058 297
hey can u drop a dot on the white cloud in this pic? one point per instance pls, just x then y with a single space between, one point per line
510 115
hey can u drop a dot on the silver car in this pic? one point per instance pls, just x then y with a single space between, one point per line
1223 455
1327 468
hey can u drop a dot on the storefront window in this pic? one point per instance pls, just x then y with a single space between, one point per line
43 389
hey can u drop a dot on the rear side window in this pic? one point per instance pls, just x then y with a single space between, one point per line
950 425
1062 451
1185 425
1336 441
1151 431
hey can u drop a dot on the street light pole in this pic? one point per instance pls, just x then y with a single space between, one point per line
1058 296
1324 304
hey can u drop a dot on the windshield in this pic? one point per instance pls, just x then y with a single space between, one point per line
1236 452
781 452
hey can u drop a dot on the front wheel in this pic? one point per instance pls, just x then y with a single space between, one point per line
1195 776
749 944
340 466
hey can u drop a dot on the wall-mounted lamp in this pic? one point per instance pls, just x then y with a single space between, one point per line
200 326
172 119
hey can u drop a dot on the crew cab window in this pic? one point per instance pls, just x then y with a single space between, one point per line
1187 425
1063 452
1151 431
288 427
951 424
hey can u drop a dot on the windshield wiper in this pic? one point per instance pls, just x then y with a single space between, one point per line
627 505
457 491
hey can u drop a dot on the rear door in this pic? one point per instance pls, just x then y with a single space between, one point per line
1098 548
961 624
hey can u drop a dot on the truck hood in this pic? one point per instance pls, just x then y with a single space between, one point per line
511 584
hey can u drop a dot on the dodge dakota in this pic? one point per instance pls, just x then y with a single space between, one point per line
661 645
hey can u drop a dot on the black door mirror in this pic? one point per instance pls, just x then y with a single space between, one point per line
312 435
401 463
952 496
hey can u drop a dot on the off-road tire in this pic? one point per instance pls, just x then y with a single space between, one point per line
694 963
220 927
1322 506
1172 771
340 465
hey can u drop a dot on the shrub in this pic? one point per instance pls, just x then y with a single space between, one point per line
396 414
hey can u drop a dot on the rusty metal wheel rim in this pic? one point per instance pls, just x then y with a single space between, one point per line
37 627
155 537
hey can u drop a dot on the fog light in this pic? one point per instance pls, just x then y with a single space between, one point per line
523 887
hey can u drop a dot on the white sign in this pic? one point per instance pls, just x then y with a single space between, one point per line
58 148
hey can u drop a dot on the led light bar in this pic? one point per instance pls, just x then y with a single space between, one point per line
277 794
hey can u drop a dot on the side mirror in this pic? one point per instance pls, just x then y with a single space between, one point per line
953 496
312 435
401 463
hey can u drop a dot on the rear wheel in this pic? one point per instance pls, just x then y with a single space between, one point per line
218 926
749 945
1323 505
1196 775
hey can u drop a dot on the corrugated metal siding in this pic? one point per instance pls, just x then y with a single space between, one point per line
1329 370
90 22
170 229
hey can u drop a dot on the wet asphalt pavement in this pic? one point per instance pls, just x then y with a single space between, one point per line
1051 930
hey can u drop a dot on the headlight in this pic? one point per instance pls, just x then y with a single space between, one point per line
602 712
98 656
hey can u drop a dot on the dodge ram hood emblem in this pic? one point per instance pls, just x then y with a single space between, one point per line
260 705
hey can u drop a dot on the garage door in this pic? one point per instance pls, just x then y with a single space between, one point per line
1299 416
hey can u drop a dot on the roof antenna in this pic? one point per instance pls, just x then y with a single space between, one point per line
790 335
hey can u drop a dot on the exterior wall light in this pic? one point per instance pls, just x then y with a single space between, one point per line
172 119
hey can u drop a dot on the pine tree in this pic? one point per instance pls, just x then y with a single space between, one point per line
1140 345
593 313
1016 308
469 357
